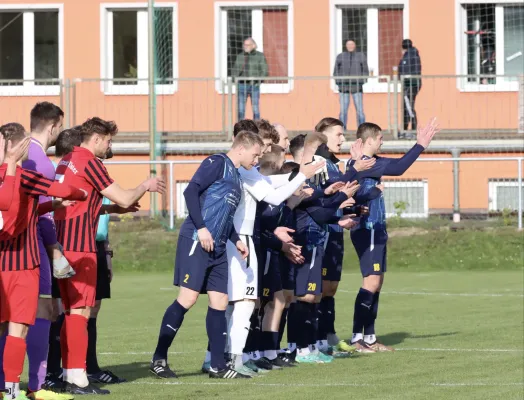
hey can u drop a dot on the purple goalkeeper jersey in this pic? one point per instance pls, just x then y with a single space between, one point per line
39 162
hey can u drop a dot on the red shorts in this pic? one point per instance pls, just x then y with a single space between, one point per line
80 290
19 296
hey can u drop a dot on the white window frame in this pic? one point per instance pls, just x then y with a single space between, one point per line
29 88
493 184
416 183
181 207
461 48
372 85
258 35
106 49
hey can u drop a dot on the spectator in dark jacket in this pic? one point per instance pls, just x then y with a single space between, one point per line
250 64
351 63
410 65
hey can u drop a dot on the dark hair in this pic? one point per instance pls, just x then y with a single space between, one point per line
13 132
407 44
66 140
267 131
296 144
99 126
368 130
44 113
328 122
245 125
289 167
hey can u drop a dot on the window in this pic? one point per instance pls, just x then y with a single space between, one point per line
270 25
503 194
407 198
31 48
377 28
125 46
181 207
491 42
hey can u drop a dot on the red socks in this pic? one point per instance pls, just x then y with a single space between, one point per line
73 342
14 355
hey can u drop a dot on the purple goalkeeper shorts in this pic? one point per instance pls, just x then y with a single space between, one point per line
45 269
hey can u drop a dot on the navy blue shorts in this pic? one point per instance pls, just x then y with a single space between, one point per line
198 270
271 281
371 248
308 276
287 273
333 257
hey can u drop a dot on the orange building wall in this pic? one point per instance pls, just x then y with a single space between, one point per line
198 107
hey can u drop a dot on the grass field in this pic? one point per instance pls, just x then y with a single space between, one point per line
452 305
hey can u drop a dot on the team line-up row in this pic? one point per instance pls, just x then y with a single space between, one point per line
264 240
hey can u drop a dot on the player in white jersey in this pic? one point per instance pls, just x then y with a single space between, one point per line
243 274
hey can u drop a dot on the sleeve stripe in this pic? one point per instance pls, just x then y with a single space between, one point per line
36 179
33 189
98 175
93 180
99 168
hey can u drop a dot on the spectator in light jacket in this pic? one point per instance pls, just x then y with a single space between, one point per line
348 64
410 65
250 64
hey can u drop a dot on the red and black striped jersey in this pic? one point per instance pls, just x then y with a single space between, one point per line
76 226
18 238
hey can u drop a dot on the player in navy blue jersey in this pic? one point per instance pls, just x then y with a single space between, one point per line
269 249
334 251
370 236
212 198
311 215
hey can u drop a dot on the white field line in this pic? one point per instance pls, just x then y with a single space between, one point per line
289 384
421 349
444 294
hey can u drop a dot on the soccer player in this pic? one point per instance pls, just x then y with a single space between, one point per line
243 274
370 236
334 251
283 140
76 231
10 155
212 198
46 124
65 143
20 261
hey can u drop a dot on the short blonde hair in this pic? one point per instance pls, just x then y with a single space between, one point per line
247 140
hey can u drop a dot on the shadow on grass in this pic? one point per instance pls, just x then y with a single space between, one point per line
394 338
140 370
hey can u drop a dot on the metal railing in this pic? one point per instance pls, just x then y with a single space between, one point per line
203 107
429 189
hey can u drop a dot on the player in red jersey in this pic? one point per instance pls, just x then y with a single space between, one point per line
20 258
76 231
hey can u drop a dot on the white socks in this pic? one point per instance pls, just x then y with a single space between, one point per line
239 325
270 354
208 357
12 390
370 339
303 352
78 376
322 345
356 337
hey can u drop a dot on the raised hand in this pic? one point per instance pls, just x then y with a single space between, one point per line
206 240
282 233
363 165
425 133
350 188
157 185
348 203
334 188
356 149
347 222
17 152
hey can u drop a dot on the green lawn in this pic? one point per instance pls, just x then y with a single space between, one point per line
452 305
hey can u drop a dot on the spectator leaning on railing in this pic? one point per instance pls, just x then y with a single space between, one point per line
410 65
351 63
250 64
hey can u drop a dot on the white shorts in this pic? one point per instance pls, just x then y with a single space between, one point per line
242 282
